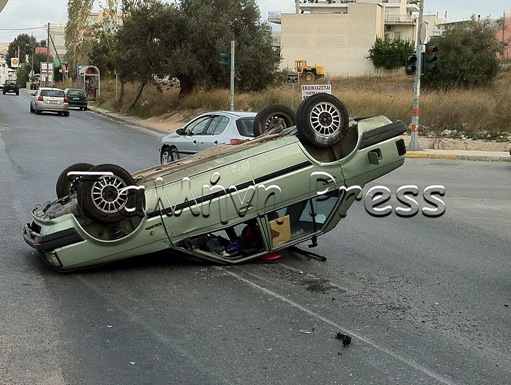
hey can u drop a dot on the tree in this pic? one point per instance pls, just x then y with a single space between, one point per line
185 41
24 45
138 51
210 28
467 55
390 54
78 36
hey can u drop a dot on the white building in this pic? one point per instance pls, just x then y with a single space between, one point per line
338 34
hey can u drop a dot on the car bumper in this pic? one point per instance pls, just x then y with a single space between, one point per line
74 103
52 107
66 244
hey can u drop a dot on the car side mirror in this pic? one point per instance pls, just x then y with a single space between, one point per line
180 131
32 93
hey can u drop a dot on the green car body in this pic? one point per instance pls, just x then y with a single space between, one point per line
290 190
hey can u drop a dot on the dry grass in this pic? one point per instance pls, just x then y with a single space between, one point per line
483 112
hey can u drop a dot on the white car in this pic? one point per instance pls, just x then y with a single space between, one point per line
51 100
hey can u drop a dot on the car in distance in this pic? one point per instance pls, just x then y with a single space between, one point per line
222 127
11 86
47 99
288 186
76 97
207 130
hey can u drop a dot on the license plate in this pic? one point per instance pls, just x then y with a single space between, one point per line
76 98
53 102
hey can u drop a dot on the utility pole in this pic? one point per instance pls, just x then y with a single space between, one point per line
47 58
414 142
18 67
233 46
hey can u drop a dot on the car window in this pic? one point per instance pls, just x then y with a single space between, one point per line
75 93
245 126
299 219
53 93
198 126
217 125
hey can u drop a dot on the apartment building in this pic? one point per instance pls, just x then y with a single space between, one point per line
338 34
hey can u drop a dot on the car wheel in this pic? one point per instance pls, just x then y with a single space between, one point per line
168 154
322 120
106 198
31 109
37 112
85 108
65 113
273 116
67 184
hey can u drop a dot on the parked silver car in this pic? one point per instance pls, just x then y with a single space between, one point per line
207 130
49 99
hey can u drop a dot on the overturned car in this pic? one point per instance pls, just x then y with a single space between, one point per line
226 204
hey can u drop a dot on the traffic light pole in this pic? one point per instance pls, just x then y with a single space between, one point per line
414 137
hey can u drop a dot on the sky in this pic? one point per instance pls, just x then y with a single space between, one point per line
32 16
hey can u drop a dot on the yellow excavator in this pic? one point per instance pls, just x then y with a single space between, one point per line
307 72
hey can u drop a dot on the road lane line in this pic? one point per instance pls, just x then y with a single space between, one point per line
402 359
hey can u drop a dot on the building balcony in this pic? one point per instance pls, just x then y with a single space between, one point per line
400 20
275 17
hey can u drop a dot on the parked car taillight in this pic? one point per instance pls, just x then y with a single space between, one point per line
235 141
66 100
39 98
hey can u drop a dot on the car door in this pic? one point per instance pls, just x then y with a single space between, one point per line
215 133
191 135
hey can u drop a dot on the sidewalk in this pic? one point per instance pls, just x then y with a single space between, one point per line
164 127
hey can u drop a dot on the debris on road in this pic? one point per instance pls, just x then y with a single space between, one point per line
345 339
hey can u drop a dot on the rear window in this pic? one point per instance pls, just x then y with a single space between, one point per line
245 126
75 93
53 93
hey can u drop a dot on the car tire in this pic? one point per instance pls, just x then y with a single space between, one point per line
273 116
65 113
67 185
169 154
31 109
322 120
37 112
105 198
309 76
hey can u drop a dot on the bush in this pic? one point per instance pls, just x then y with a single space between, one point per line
390 54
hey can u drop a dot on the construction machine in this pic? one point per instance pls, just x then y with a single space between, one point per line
308 72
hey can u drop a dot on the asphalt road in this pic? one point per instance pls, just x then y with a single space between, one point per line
425 300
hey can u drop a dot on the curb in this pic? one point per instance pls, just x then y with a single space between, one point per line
451 156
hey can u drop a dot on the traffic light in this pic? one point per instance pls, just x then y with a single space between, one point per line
225 59
430 58
411 65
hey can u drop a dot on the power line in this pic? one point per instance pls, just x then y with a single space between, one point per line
22 29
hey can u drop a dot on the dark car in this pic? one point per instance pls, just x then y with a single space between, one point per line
11 86
77 98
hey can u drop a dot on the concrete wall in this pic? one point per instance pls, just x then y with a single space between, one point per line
338 42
